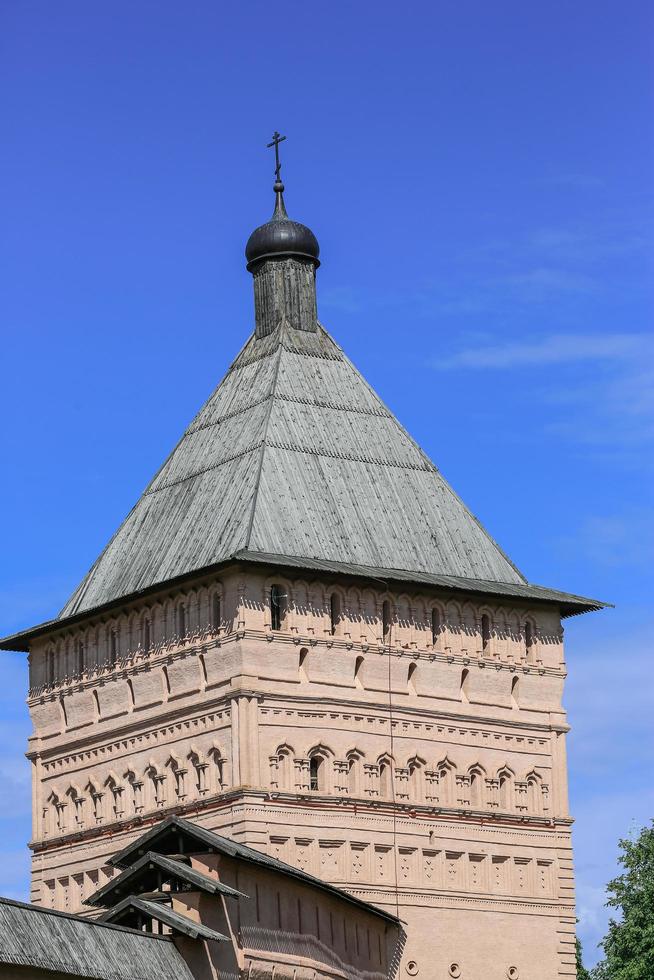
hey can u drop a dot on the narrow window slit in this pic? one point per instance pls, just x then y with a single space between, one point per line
277 607
386 621
334 612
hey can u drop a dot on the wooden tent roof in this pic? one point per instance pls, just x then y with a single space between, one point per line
293 455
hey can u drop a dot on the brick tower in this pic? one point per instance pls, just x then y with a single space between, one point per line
302 639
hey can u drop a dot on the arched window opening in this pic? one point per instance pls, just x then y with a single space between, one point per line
530 648
96 803
334 612
277 607
159 786
146 630
358 671
77 806
415 781
179 778
181 620
218 777
79 656
476 789
138 797
384 780
304 653
445 783
411 678
534 795
117 803
216 612
201 767
465 674
386 621
435 627
353 775
506 790
315 773
59 807
485 634
285 771
515 692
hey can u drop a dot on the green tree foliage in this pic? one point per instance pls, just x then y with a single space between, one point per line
629 943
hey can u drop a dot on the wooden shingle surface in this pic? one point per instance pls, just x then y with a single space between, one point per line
293 455
42 939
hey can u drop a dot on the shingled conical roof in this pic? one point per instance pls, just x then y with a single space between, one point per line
293 456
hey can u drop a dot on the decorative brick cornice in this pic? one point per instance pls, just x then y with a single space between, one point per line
302 802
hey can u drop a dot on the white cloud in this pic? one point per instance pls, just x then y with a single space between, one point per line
539 283
553 349
610 702
613 540
603 403
600 822
610 705
591 901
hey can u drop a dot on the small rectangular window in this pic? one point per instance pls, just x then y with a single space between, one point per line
334 612
314 773
277 607
386 621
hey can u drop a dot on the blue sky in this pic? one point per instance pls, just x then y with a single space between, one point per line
479 177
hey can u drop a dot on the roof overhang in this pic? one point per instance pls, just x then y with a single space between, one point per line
181 836
568 603
134 909
149 872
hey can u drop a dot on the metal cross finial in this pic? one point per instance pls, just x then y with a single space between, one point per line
276 140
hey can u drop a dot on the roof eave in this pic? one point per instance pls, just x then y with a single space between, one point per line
190 876
569 604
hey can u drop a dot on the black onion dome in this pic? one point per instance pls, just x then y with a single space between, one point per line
281 236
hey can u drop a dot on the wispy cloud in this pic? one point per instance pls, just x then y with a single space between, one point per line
540 283
608 413
553 349
585 247
576 181
610 700
616 540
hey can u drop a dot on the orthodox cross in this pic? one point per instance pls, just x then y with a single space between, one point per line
276 140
